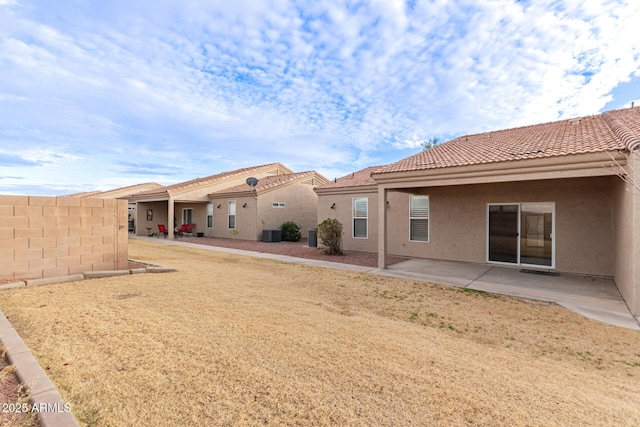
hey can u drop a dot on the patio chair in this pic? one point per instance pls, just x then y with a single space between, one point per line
162 229
183 230
190 229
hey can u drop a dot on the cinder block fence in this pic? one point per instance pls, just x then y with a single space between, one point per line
44 237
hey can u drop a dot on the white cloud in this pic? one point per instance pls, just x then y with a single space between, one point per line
318 84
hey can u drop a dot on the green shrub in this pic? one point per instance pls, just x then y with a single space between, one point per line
330 234
290 231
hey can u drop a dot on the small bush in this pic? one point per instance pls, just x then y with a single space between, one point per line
330 234
290 231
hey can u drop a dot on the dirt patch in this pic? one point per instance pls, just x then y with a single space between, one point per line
236 340
125 296
14 409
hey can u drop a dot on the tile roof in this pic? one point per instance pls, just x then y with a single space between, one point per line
121 192
214 179
360 178
273 181
83 194
610 131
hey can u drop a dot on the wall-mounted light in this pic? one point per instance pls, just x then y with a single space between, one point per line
333 206
244 206
219 206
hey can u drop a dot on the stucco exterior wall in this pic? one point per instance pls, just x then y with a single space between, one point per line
301 207
245 218
627 235
199 217
44 237
343 212
584 209
159 216
458 221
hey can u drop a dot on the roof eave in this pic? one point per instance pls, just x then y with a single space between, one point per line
346 190
569 166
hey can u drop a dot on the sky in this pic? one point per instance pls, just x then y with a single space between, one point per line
97 95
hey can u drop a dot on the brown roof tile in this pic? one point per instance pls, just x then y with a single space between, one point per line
121 192
201 182
360 178
273 181
610 131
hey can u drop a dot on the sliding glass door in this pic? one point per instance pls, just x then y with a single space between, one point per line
521 234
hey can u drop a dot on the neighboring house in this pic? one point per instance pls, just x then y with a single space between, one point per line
119 193
122 193
243 212
188 202
561 196
352 200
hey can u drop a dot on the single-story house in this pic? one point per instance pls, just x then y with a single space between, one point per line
561 197
244 212
188 202
352 200
121 193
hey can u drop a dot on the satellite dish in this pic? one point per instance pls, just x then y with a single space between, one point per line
252 182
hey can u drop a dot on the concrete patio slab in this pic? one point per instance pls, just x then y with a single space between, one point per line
451 273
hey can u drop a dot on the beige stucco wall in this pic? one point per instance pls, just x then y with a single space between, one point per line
627 235
300 207
159 210
458 221
199 215
343 212
245 218
57 236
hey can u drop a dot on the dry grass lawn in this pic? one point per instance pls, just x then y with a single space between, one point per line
233 340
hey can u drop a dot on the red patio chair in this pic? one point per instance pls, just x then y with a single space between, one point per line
162 229
183 230
189 229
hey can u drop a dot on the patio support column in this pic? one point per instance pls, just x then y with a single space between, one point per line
633 174
170 215
382 227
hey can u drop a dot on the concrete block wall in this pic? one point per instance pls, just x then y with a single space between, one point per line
44 237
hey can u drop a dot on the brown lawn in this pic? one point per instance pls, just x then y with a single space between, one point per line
234 340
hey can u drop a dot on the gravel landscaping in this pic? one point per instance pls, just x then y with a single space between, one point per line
299 249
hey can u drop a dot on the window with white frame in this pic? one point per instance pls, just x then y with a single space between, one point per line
187 216
232 214
210 215
419 218
360 217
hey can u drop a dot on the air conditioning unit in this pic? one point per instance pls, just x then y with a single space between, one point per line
271 236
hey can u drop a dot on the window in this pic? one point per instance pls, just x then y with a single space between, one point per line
187 216
210 215
232 214
419 218
360 217
277 204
